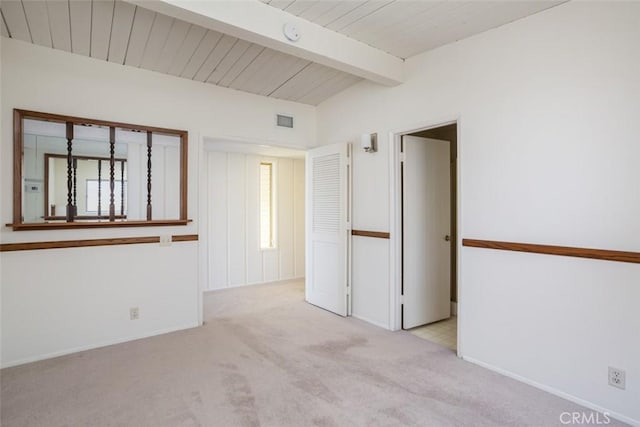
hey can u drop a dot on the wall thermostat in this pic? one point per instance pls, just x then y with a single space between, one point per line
291 32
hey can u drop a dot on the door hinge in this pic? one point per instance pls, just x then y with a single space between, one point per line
401 299
402 157
348 290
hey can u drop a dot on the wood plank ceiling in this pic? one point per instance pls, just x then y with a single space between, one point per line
120 32
405 28
116 31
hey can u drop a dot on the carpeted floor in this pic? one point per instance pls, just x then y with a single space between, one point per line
266 358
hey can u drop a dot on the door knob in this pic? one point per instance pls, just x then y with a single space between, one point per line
447 238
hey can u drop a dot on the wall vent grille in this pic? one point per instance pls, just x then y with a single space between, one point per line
284 121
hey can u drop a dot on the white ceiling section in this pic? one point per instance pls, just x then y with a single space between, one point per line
121 32
239 44
405 28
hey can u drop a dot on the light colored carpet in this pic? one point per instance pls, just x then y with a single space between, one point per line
266 358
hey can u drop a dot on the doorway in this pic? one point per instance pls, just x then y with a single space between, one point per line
253 214
428 233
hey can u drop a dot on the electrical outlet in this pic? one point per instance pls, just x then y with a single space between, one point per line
617 378
134 313
165 240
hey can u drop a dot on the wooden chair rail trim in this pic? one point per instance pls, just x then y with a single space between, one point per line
601 254
29 246
377 234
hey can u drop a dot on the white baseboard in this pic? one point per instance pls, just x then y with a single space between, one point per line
273 282
373 322
554 391
454 308
92 346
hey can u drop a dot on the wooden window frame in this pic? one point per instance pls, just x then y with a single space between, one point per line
18 151
47 213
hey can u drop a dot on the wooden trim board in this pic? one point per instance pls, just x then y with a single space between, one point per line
30 246
60 118
376 234
96 224
601 254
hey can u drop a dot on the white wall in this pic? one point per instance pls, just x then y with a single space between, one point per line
234 256
548 111
52 303
370 290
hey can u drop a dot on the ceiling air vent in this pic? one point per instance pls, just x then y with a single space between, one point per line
284 121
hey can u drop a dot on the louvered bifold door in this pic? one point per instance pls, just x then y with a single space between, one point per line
326 226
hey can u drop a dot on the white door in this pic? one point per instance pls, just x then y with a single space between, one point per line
426 208
327 228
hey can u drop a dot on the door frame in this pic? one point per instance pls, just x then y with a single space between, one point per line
395 223
222 143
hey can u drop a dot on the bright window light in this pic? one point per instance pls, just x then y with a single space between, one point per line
267 223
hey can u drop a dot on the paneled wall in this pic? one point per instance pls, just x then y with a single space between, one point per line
234 254
165 190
